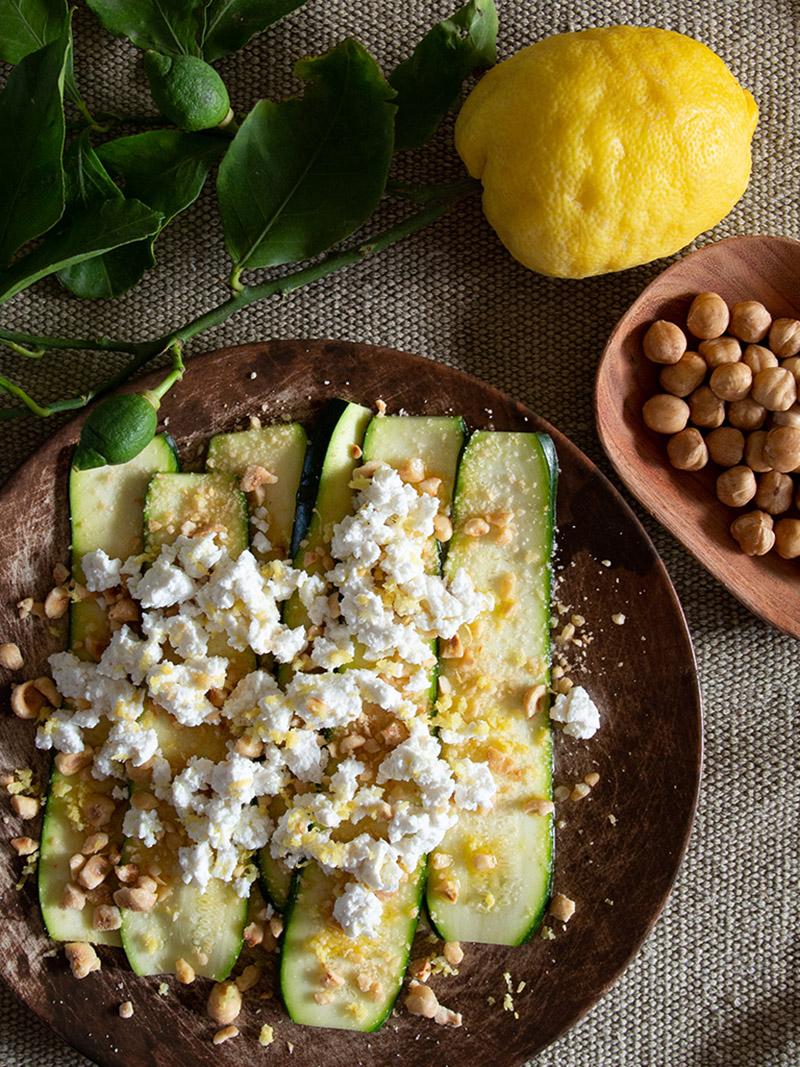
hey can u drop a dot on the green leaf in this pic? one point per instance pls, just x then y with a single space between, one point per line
229 24
31 144
92 230
164 169
169 26
428 83
86 180
28 25
301 175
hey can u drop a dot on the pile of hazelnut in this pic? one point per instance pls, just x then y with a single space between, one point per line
734 401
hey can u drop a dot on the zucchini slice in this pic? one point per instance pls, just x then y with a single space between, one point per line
490 878
106 505
321 984
279 452
324 498
203 927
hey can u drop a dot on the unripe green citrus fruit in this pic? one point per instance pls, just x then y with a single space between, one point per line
187 90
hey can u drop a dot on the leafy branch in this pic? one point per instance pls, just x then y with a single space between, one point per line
295 179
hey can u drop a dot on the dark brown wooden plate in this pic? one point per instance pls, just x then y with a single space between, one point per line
739 268
617 852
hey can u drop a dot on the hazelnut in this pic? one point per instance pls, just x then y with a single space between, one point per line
787 538
665 413
784 337
759 358
726 446
731 381
746 414
664 342
774 388
754 452
705 409
736 486
782 448
775 492
683 377
708 316
750 320
687 450
720 350
754 533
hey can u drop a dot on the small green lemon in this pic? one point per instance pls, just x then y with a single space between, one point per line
187 90
607 148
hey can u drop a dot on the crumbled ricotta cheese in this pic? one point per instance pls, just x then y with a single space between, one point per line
577 711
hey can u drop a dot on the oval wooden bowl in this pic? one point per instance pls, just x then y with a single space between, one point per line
739 268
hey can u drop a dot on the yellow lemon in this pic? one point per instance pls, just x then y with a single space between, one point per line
607 148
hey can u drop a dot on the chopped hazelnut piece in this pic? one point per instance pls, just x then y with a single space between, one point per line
125 1009
93 872
82 958
484 861
106 917
72 898
11 657
224 1003
442 528
134 899
225 1034
453 953
24 846
476 527
56 602
27 701
98 809
253 934
184 971
69 763
421 1000
533 700
446 1017
25 807
248 978
562 908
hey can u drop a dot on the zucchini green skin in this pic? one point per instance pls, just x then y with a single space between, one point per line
106 505
505 904
324 495
313 940
204 927
279 448
313 943
324 498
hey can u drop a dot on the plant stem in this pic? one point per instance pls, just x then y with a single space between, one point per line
437 199
35 341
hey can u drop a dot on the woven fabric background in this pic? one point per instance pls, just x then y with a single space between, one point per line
718 981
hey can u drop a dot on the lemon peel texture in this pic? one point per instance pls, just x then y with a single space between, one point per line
607 148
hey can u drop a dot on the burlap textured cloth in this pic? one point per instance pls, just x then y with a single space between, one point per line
717 982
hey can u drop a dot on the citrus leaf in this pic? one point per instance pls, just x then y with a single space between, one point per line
31 145
28 25
428 83
229 24
172 28
303 174
94 229
164 169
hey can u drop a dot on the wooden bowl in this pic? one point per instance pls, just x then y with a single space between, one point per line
739 268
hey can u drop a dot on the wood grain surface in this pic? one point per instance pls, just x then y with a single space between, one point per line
739 268
617 851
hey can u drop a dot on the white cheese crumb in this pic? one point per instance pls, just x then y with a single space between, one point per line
577 711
